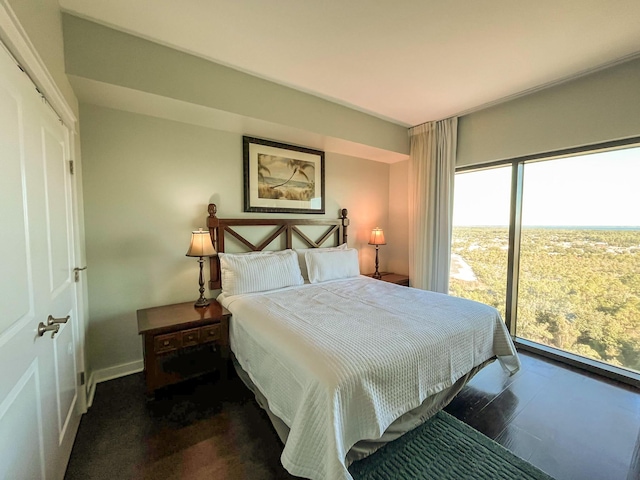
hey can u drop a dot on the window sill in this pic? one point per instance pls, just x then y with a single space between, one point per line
622 375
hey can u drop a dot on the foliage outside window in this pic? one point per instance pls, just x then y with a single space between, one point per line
579 263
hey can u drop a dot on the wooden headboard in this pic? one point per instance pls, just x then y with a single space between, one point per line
287 227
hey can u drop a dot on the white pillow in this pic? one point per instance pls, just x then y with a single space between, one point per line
324 265
258 271
303 262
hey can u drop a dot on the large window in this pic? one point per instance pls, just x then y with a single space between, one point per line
577 251
480 239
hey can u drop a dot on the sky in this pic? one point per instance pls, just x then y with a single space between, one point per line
600 189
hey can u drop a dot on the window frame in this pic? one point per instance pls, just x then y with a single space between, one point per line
513 260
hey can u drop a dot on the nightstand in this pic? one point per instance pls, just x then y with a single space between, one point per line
182 341
393 278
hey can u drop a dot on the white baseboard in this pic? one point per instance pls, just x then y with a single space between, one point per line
111 373
118 371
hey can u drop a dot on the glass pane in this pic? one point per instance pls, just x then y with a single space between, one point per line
480 238
579 284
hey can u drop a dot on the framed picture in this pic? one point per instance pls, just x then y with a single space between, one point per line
282 178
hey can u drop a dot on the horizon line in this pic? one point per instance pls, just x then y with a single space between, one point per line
594 227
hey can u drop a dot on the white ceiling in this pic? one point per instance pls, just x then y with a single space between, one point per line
409 61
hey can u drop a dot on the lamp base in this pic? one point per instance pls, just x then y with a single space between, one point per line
377 275
202 302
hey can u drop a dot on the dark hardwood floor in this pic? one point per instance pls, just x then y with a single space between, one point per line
570 424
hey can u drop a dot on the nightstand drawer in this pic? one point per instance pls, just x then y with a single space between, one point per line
190 337
167 343
210 333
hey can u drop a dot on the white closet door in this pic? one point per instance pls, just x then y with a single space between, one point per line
39 389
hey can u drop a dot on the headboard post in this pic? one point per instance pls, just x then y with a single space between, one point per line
345 224
213 223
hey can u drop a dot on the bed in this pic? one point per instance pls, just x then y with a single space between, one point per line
343 363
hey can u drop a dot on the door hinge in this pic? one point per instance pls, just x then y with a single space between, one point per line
81 378
71 167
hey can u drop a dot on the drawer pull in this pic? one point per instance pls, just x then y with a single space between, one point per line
166 343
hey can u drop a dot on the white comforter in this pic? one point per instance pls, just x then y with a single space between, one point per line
340 361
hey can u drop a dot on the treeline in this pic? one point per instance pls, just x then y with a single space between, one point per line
579 289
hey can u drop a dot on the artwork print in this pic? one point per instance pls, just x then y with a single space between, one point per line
285 178
282 178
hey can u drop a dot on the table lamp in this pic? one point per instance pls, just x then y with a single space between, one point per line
201 246
377 239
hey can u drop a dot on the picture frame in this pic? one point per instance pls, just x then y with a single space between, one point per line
281 178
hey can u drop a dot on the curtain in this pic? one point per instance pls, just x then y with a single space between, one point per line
431 176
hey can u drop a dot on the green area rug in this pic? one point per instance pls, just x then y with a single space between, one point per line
444 448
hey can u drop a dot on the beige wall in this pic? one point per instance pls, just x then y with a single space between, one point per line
147 184
102 54
397 248
600 107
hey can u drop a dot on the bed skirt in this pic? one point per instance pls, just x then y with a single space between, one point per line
400 426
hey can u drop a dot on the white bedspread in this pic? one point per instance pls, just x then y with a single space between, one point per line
340 361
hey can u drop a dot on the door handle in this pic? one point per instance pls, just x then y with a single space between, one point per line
42 328
52 321
76 273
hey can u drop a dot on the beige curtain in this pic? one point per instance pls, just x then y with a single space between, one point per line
431 176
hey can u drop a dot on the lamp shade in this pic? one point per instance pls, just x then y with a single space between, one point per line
377 237
201 245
